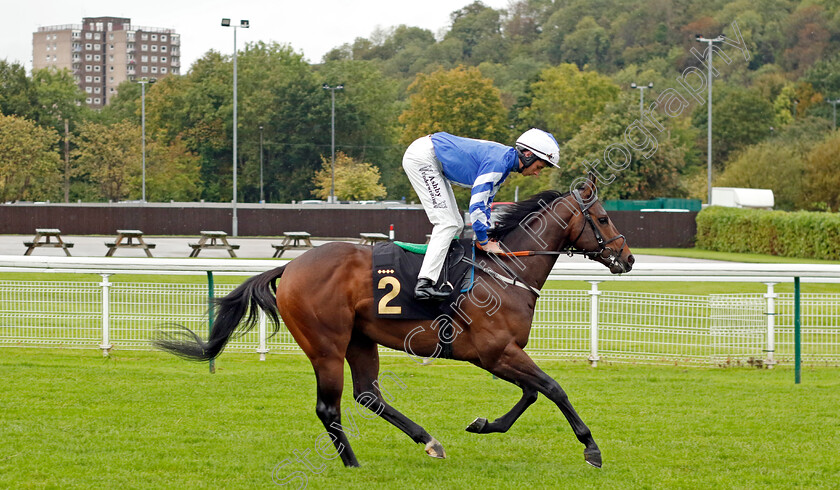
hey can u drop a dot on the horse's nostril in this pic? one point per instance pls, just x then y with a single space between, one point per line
631 260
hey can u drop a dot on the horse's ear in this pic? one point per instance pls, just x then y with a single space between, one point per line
593 181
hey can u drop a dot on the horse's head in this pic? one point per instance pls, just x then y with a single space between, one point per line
593 234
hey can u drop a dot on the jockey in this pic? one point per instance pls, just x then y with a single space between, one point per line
433 161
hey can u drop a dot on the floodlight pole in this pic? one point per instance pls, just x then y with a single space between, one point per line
262 196
709 132
143 83
641 97
332 143
244 24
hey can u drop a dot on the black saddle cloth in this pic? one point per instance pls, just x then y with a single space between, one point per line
395 276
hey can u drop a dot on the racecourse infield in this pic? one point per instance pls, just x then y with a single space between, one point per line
73 419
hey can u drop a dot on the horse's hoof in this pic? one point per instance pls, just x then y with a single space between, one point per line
477 425
435 450
592 456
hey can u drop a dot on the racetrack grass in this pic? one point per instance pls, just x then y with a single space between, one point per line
698 253
73 419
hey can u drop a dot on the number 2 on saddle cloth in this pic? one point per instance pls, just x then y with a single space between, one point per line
395 272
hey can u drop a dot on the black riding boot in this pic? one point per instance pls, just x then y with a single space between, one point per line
425 290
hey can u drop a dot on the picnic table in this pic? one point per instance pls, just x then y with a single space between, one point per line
126 239
213 240
47 234
292 240
372 238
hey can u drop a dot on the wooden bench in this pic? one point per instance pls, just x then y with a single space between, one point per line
372 238
47 234
125 239
213 240
292 240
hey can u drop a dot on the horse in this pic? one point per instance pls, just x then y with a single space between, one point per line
325 299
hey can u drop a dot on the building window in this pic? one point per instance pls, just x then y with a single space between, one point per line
88 35
55 58
154 47
111 58
144 59
88 79
88 89
96 35
112 90
154 37
88 46
144 37
96 100
143 47
48 57
163 69
110 68
154 69
154 59
174 71
111 79
96 57
97 47
88 100
144 69
111 47
111 37
96 68
97 79
163 37
96 90
163 48
88 57
88 68
163 59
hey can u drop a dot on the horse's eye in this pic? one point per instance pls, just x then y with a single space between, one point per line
603 220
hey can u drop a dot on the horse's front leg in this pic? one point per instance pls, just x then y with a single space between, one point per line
503 423
516 366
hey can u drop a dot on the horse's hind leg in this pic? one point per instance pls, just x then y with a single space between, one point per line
363 358
329 373
503 423
516 366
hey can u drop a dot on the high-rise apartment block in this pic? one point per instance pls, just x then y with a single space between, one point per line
103 52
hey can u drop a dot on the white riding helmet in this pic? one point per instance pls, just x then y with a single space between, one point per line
542 144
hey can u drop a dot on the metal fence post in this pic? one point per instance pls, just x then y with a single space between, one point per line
771 296
593 323
106 315
261 350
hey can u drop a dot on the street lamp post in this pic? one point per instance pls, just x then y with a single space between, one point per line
262 196
709 102
143 83
332 144
243 24
641 96
834 103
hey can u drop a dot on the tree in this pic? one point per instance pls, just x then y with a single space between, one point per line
109 157
459 101
354 180
17 93
172 172
822 175
477 28
741 117
61 105
587 45
643 162
564 98
28 161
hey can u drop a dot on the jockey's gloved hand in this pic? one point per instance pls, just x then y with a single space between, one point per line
492 246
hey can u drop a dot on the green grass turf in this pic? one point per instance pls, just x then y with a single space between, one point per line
73 419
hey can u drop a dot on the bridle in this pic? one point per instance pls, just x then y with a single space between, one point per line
604 251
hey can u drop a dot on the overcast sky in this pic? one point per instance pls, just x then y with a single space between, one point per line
313 27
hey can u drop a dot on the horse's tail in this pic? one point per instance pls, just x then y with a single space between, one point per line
255 293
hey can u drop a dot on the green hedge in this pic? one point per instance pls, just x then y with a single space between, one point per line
801 234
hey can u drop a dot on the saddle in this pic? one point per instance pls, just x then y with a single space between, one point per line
395 272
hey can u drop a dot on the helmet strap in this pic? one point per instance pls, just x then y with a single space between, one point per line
526 161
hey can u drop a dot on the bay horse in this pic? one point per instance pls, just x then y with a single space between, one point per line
325 298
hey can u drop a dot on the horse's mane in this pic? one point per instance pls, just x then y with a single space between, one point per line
514 214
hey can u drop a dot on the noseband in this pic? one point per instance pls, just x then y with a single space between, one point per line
603 251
